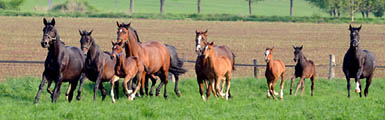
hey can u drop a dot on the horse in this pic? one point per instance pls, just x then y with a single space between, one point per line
63 64
216 68
358 63
222 50
154 55
274 70
303 69
176 68
127 68
99 67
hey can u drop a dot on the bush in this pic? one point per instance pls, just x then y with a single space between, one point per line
11 5
81 6
379 12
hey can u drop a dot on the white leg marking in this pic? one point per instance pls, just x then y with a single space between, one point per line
112 96
268 93
358 87
203 98
281 93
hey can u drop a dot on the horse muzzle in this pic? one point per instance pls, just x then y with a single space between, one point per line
44 44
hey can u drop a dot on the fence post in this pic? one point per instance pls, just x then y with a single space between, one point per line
332 61
255 68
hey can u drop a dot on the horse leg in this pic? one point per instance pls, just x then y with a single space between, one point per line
112 82
44 79
103 91
176 89
368 82
56 90
273 86
291 84
282 85
201 88
165 79
228 84
68 90
303 86
115 79
159 87
97 83
153 83
139 78
312 84
298 85
359 85
79 96
49 87
125 87
209 89
348 82
218 90
357 79
71 92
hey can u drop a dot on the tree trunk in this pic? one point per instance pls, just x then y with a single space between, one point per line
131 6
49 4
367 12
116 3
162 6
250 10
199 6
291 7
352 10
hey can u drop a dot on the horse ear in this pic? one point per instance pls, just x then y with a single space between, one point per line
206 31
120 43
196 32
112 42
117 24
129 24
350 27
359 28
272 48
301 47
45 21
80 32
293 46
90 32
212 43
53 22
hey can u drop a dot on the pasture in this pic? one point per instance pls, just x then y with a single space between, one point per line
21 36
249 102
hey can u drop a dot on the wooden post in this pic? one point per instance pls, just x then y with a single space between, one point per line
255 68
332 62
250 9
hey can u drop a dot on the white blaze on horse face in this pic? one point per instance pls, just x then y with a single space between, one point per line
267 52
199 43
120 30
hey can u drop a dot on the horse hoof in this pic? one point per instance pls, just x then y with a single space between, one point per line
78 97
358 90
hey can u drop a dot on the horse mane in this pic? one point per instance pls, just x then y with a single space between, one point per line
136 34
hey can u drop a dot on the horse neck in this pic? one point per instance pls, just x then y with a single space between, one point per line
134 46
120 60
56 47
211 60
355 50
302 60
270 63
92 50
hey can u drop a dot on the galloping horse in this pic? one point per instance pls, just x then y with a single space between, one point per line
358 63
222 50
63 64
153 54
99 67
127 68
274 70
216 68
303 69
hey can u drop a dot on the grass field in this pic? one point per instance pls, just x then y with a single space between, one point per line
239 7
249 102
20 40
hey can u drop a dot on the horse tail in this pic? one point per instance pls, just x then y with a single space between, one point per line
178 67
233 64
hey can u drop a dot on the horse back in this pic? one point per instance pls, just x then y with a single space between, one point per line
224 50
156 56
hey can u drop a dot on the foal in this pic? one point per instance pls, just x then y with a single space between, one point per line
127 68
303 69
358 63
217 68
99 67
274 69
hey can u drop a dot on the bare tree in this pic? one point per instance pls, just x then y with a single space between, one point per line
291 7
354 6
250 9
199 6
131 6
162 6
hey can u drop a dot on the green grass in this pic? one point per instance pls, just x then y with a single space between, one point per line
249 102
238 7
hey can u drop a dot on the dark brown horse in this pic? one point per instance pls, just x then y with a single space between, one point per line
127 68
153 54
274 70
63 64
358 63
222 50
99 67
216 68
303 69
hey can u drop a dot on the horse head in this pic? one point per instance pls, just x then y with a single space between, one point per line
117 49
268 54
86 40
209 50
123 32
49 33
297 52
200 41
354 36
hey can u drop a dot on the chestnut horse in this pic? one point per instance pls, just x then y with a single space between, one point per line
303 69
153 54
222 50
358 63
127 68
63 64
274 70
216 68
99 67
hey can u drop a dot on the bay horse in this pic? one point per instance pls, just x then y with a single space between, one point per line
358 63
303 69
99 67
221 50
154 55
274 70
216 68
63 64
127 68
